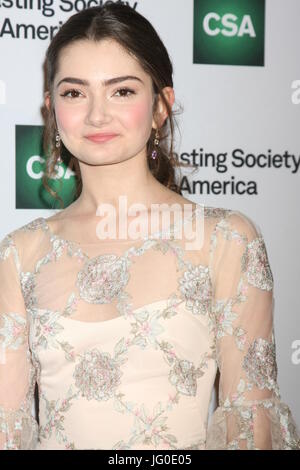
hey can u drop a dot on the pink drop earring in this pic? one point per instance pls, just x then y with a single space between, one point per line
156 143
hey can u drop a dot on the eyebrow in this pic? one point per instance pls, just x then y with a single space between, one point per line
110 81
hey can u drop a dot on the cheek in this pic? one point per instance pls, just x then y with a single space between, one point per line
66 118
139 115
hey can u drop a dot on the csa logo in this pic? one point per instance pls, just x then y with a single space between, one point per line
229 32
30 167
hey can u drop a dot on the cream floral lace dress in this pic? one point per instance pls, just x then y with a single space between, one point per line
124 340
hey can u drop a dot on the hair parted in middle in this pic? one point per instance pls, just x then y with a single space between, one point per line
137 36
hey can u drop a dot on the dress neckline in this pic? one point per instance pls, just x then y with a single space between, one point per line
156 236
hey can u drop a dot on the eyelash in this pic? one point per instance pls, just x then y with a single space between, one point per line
132 92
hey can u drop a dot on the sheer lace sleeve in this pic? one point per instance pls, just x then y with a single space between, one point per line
250 412
18 427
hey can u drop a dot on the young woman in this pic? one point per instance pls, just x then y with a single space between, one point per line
125 336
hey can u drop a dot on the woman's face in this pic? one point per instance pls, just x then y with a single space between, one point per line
84 105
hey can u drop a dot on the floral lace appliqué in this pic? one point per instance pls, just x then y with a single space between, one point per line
260 363
5 246
102 279
12 334
97 375
256 265
195 285
28 286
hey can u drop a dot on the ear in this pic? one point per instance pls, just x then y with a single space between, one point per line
162 113
47 100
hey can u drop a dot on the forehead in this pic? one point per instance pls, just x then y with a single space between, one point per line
97 60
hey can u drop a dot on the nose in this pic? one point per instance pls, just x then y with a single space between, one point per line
98 111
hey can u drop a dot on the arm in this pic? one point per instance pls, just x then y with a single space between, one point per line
18 428
250 414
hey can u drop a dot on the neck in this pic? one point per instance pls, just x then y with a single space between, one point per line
130 181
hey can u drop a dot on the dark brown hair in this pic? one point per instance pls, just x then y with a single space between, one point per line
137 36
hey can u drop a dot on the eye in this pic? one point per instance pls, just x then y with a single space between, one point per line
73 91
126 90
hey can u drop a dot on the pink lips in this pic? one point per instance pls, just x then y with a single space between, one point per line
101 137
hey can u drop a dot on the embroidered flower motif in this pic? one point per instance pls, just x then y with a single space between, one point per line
97 375
195 285
147 327
14 333
55 410
215 212
14 330
28 285
34 224
224 317
184 377
256 264
102 279
260 364
5 245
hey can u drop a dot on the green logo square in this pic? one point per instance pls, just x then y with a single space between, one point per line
30 167
229 32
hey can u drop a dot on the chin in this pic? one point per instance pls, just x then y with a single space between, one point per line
98 160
